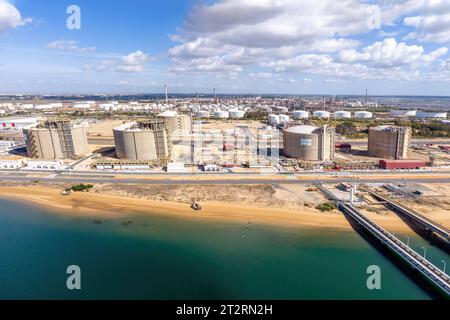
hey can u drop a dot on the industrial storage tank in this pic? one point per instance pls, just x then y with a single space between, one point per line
321 114
177 124
300 114
431 115
309 143
203 114
284 118
236 114
342 115
363 115
56 139
274 119
390 142
143 141
221 114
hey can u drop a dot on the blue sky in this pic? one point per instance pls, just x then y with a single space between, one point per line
237 46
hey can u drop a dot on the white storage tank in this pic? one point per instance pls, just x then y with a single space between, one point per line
203 114
321 114
274 119
221 114
300 114
342 115
284 118
363 115
237 114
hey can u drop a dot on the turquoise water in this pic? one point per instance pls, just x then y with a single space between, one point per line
160 257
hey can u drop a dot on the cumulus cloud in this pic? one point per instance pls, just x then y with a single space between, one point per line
432 24
308 36
134 62
69 45
10 17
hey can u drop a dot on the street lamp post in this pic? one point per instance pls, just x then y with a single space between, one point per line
407 241
445 265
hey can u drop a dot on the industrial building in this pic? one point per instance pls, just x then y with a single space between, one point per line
390 142
17 124
401 164
309 143
177 124
147 140
58 139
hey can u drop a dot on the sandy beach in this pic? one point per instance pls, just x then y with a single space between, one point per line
99 206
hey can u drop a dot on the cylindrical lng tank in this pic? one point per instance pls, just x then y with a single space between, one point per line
302 143
134 144
300 114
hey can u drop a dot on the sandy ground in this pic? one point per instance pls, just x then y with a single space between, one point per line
98 205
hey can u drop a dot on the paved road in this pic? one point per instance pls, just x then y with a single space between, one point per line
84 179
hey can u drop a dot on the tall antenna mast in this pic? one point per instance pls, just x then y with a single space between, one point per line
215 97
367 96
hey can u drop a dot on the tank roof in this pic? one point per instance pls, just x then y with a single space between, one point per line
302 129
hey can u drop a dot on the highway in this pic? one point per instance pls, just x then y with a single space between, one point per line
201 180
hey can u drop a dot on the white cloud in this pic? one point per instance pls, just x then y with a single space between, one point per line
134 62
432 24
10 17
69 45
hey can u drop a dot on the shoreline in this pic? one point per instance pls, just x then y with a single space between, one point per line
114 206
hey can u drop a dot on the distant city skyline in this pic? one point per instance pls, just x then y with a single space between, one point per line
390 47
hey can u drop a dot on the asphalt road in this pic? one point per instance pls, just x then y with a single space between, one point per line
69 179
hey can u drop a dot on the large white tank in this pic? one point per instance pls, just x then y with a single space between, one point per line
300 114
363 115
237 114
284 118
203 114
342 115
221 114
274 119
321 114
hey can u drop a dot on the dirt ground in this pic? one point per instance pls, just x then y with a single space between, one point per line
103 128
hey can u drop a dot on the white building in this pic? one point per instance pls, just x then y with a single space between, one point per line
17 124
431 115
176 167
6 164
45 165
